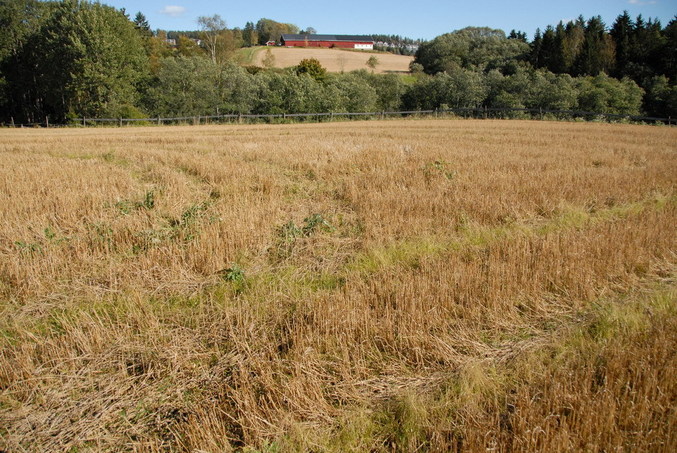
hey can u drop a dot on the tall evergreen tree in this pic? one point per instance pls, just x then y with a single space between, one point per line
572 43
597 54
536 52
519 35
621 32
669 60
142 26
553 58
647 44
249 37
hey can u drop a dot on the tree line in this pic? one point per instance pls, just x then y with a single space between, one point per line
74 59
632 53
396 44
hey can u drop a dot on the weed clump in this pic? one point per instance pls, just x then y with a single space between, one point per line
127 206
438 168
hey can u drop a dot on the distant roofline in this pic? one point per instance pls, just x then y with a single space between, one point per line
347 38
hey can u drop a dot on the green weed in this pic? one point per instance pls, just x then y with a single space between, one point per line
28 247
127 206
316 222
438 167
236 276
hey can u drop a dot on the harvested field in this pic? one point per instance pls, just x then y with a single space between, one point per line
336 60
408 285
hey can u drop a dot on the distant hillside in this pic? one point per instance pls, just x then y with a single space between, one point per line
335 60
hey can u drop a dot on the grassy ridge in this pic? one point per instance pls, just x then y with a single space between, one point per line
387 286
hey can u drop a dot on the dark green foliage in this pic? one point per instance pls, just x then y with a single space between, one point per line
142 26
127 206
185 86
270 30
291 93
597 54
354 92
621 32
462 88
661 97
71 59
669 57
193 213
249 36
289 232
519 35
313 68
605 94
389 89
469 48
527 88
638 49
233 274
315 222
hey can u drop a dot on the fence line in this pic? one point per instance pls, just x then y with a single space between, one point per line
472 112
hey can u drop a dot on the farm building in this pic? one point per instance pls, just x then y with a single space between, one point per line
342 41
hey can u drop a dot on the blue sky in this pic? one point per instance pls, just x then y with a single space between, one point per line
415 19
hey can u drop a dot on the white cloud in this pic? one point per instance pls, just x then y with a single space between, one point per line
175 11
642 2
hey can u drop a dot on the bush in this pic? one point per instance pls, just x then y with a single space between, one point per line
313 68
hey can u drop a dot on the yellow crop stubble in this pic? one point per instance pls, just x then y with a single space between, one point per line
365 285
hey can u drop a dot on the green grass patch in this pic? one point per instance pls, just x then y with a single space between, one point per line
408 253
246 55
410 419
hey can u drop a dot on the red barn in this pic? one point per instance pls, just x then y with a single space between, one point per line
342 41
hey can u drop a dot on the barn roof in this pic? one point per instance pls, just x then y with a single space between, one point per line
349 38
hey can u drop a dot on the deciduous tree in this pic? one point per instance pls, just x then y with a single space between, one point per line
211 28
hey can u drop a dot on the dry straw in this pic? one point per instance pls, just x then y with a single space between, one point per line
387 286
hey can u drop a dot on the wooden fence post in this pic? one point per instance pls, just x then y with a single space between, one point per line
120 121
84 123
47 121
12 120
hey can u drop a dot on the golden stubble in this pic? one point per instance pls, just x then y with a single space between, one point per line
446 245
